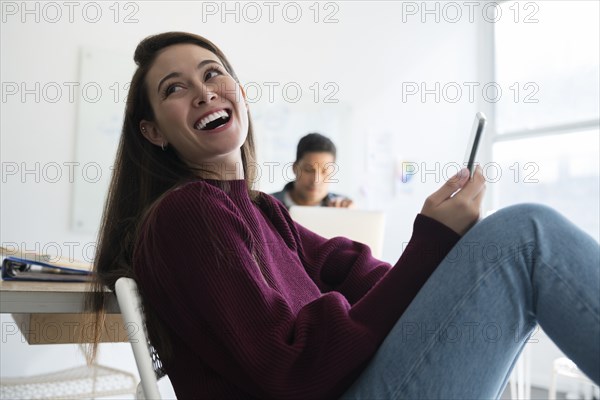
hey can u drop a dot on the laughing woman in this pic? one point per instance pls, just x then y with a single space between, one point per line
241 302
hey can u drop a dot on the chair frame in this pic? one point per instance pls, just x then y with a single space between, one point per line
130 304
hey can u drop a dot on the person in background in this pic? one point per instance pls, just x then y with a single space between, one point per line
314 168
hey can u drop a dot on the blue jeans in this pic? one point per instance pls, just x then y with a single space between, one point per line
460 337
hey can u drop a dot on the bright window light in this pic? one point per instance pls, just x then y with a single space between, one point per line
547 64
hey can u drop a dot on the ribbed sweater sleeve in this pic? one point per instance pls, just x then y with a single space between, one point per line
338 264
350 269
200 267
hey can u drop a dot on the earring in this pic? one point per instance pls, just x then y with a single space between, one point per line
163 146
143 129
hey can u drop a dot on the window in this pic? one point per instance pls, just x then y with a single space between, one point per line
546 126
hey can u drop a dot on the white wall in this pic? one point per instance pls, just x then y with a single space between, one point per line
368 55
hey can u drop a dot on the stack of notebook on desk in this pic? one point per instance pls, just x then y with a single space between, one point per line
19 266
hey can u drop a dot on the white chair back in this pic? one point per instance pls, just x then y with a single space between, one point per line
131 308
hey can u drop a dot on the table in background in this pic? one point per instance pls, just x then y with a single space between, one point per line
53 312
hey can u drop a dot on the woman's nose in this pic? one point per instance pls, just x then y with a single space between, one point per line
204 94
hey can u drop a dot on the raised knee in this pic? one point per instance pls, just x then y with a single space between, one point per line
529 214
531 210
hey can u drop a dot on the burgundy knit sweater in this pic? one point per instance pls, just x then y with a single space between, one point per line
260 307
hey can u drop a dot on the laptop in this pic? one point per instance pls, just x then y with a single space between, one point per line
359 225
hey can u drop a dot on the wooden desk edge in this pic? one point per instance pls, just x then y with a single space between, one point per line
48 297
32 286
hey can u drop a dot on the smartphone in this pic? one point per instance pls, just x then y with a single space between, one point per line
474 140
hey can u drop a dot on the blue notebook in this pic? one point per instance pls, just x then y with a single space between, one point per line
23 269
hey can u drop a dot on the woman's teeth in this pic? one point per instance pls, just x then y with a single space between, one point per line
205 122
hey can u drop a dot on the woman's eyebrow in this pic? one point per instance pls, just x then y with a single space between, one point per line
176 74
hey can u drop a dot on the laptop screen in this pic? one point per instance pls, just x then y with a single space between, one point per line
359 225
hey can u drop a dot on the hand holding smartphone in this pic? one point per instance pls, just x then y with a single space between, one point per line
474 140
459 215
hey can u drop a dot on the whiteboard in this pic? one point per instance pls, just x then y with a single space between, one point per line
104 77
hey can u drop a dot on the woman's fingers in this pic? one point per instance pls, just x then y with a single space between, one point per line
473 187
450 187
479 197
471 195
459 211
343 202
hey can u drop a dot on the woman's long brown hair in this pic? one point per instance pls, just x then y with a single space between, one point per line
142 173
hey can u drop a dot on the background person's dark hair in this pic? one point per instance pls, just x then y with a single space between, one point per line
314 143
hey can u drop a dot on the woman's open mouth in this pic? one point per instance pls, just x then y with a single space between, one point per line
213 120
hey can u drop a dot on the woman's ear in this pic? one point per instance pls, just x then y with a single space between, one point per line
152 134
